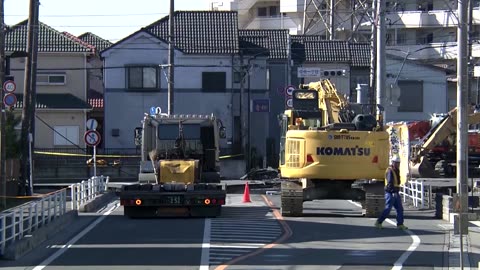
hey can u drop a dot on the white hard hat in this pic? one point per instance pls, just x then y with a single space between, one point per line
395 158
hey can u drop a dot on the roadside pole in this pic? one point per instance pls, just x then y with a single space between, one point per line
3 179
462 126
381 62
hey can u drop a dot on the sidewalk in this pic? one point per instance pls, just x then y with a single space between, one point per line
471 247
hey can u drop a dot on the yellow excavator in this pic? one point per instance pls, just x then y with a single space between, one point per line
330 149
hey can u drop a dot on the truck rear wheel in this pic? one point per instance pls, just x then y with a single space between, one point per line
291 199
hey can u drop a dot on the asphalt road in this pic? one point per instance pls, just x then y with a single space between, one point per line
331 235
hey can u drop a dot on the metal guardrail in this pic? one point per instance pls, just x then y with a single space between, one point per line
86 191
22 220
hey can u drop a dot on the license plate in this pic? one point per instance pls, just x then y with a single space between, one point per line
174 199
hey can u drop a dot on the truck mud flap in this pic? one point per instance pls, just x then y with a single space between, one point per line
291 199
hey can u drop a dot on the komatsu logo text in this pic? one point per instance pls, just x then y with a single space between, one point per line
343 151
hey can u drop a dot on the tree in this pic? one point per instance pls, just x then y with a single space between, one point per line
12 140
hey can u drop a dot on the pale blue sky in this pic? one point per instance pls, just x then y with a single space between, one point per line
110 19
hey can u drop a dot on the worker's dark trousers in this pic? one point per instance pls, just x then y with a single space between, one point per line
392 200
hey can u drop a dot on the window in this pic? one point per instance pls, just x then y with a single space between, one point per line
214 81
143 77
411 96
237 77
274 11
262 12
65 135
51 79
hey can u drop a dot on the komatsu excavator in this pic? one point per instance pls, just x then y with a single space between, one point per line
330 149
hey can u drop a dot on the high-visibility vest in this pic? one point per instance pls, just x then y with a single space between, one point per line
396 182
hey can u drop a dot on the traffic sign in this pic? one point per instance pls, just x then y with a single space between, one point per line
92 124
289 90
155 110
10 99
9 86
289 102
92 138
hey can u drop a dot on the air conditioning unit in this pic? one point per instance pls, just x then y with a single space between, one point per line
334 73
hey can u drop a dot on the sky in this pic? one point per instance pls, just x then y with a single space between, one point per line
109 19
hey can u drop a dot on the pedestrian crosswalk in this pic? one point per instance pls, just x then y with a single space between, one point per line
240 230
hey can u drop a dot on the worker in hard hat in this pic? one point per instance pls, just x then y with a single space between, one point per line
392 194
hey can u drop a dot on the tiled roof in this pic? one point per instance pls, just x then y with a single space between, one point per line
49 39
276 41
99 43
201 32
360 54
316 49
55 101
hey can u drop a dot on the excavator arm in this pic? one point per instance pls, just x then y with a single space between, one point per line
330 102
420 167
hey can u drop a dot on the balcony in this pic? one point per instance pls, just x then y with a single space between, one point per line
446 50
436 18
272 23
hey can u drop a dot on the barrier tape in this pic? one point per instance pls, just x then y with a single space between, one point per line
109 156
81 155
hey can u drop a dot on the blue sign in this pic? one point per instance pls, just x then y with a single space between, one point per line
260 105
155 110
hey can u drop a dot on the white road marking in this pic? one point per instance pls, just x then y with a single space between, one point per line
205 259
398 264
65 247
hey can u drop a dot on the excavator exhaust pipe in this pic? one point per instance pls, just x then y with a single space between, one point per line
422 169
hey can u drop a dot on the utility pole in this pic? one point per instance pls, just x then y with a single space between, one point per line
171 58
26 110
33 89
469 54
373 57
462 126
3 178
332 19
381 62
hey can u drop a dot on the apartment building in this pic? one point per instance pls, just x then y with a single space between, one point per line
423 30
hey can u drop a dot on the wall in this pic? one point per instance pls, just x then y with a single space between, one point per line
434 90
72 64
125 109
44 135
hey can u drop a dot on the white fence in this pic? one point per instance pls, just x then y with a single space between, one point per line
419 191
22 220
86 191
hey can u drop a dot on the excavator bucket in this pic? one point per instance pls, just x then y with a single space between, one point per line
422 169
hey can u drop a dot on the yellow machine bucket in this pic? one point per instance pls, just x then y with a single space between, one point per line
180 171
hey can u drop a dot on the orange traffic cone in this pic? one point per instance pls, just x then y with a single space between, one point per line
246 194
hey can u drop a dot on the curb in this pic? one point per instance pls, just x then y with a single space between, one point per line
29 242
97 203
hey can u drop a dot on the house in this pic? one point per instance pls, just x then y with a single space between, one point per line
61 100
206 49
95 88
272 46
414 90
